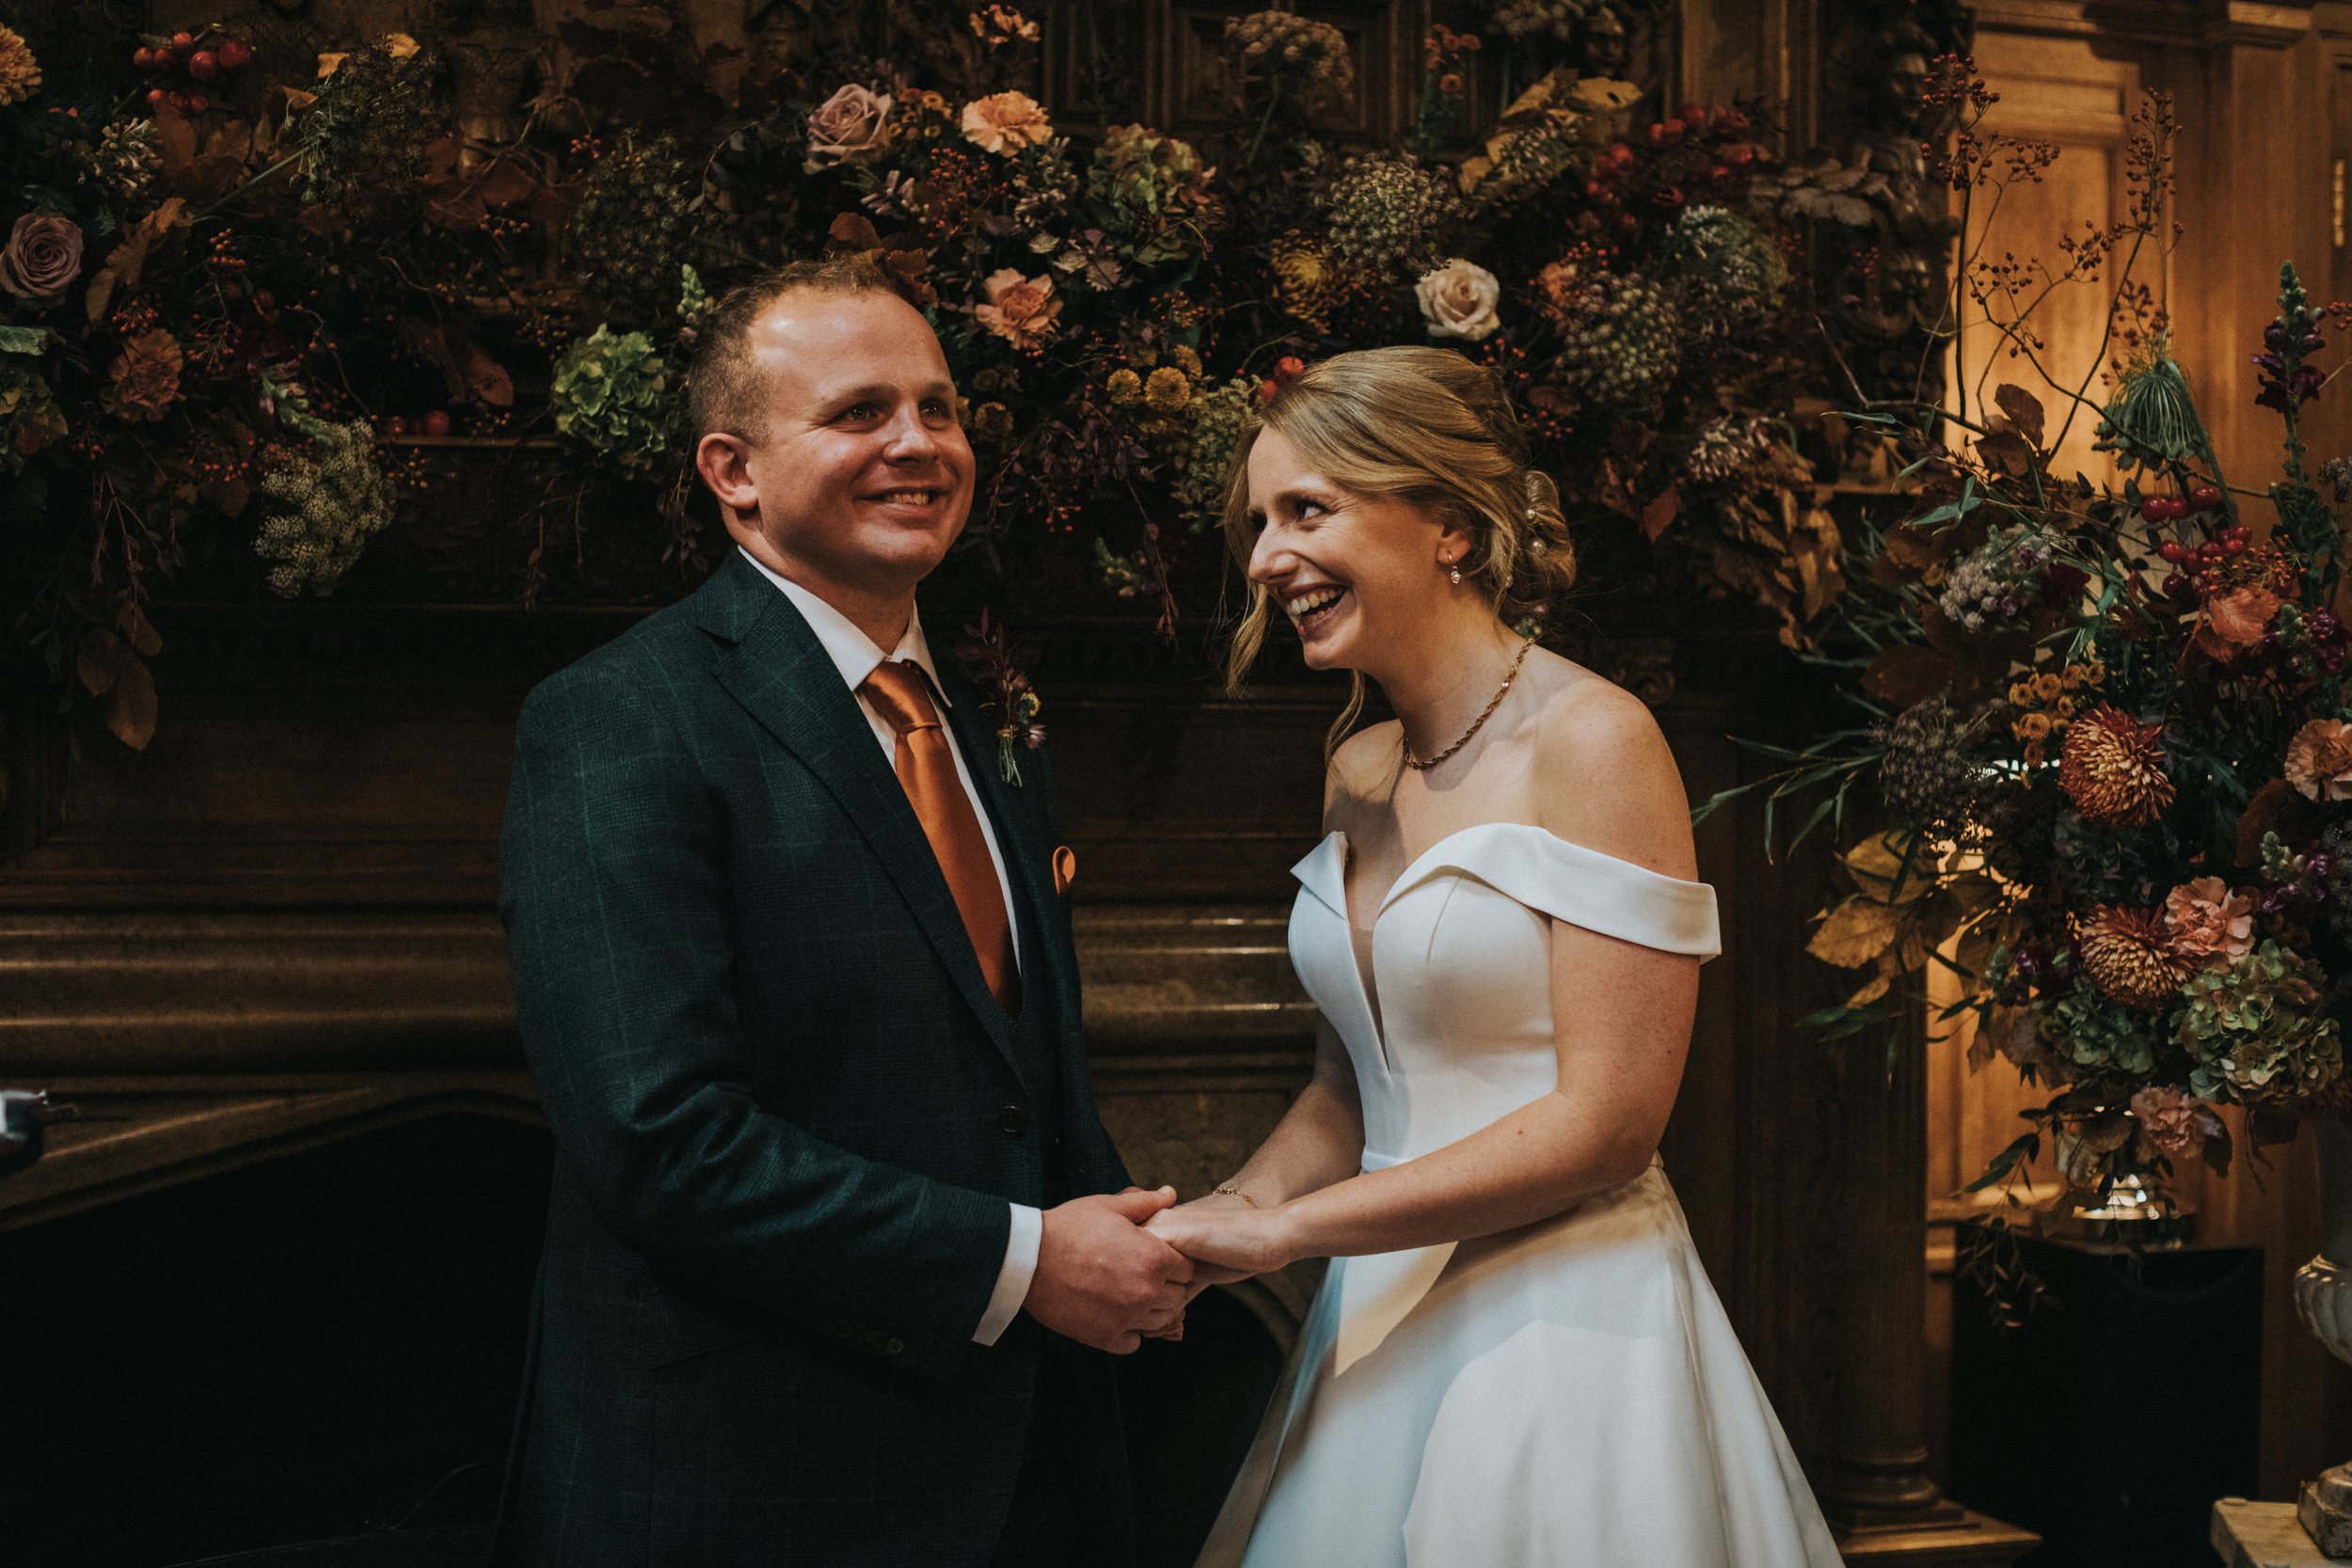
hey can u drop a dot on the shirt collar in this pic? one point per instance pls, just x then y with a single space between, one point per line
854 653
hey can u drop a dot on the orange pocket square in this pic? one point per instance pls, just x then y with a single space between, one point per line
1065 870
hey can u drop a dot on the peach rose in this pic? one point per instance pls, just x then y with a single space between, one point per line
850 127
2174 1122
2319 760
1458 300
2206 918
1020 309
1006 122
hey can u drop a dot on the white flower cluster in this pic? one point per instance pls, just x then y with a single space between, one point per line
334 500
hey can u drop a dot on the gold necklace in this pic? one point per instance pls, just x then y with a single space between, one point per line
1476 725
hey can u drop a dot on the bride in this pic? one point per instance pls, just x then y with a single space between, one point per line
1516 1357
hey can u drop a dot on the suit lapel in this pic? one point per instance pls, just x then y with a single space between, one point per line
780 673
1013 814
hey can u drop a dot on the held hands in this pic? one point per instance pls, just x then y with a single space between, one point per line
1101 1280
1227 1238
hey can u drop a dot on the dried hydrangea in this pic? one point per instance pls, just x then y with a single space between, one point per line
1203 471
2096 1033
1927 775
332 500
1726 272
1388 215
1621 339
363 141
1303 60
1151 192
2258 1030
1555 19
632 231
611 393
29 416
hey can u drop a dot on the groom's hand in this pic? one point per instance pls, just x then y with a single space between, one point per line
1101 1279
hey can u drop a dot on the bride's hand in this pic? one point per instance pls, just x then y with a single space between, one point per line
1226 1241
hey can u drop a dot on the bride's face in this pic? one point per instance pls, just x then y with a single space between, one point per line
1353 571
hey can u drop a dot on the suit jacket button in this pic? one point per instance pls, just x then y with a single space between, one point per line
1013 1119
896 1347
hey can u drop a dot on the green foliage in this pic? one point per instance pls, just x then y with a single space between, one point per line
612 395
2255 1033
1150 192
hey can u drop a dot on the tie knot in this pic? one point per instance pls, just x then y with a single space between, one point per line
897 690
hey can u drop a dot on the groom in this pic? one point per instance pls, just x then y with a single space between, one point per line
837 1241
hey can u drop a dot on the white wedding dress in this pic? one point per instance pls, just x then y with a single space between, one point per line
1570 1393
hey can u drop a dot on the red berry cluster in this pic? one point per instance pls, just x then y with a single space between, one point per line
1286 370
2199 563
200 58
403 427
1701 154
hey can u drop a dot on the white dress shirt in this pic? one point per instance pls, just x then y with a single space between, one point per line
856 655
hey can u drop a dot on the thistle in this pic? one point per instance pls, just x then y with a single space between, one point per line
2150 420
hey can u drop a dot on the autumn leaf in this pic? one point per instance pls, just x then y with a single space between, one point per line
95 658
132 713
854 232
132 622
1661 512
1854 933
2024 410
2006 451
1907 672
487 379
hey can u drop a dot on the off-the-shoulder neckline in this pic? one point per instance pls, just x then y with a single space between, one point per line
1420 863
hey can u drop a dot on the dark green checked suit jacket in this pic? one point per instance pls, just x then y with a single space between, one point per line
788 1119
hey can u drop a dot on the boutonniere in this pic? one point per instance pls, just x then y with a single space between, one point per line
1011 701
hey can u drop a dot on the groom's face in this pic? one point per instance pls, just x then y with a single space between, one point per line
859 474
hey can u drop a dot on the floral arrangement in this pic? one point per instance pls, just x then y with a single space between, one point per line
239 325
2107 725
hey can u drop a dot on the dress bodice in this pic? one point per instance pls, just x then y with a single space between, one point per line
1461 957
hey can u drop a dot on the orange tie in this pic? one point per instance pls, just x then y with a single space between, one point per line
927 769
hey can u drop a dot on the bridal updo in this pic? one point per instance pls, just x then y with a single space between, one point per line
1427 426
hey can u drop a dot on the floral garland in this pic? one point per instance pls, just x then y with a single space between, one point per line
329 270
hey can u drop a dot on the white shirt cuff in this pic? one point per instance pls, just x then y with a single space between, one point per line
1012 1280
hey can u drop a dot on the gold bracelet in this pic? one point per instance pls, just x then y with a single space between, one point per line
1234 1191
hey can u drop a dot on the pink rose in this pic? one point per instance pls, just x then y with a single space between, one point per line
2206 918
850 127
2174 1123
43 258
1006 122
1020 309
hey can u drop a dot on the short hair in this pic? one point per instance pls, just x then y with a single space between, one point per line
722 383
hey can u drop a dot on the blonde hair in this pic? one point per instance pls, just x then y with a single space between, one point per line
1427 426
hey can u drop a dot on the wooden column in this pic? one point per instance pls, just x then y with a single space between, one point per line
1878 1494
